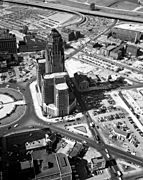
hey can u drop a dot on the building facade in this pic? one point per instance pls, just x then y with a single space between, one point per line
98 163
54 166
54 52
40 68
62 99
48 89
8 47
31 43
7 42
56 97
128 32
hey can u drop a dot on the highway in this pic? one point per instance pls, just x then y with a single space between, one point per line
108 12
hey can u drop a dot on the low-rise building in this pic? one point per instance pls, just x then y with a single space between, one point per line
8 48
76 150
135 99
98 163
128 32
53 166
81 81
121 135
31 43
116 54
70 35
132 49
43 166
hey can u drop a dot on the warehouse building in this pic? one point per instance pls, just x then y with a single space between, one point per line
128 32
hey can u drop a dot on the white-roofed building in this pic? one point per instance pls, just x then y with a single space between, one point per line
128 31
62 99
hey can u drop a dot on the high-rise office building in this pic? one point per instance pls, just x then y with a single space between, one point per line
8 46
56 97
48 89
60 77
54 52
7 42
62 99
40 68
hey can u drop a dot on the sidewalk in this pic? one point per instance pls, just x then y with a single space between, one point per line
37 102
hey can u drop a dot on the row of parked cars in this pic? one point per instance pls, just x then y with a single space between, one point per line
111 117
135 126
104 109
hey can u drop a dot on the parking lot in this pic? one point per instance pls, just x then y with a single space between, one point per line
116 126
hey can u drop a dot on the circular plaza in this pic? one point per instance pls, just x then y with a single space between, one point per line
12 106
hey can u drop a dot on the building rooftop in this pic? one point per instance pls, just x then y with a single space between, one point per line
4 34
52 106
41 61
53 75
111 47
53 165
121 132
48 76
60 74
35 144
65 30
131 27
61 86
137 97
54 33
96 159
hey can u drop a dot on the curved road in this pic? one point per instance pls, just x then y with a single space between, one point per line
40 124
31 118
110 12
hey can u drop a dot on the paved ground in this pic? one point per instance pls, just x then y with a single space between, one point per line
12 106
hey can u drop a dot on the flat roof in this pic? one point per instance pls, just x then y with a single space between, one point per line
121 132
97 159
48 76
53 165
131 27
52 106
62 86
60 74
47 160
63 163
138 98
53 75
110 47
41 61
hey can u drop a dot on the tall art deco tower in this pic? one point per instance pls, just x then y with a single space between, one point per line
57 98
54 53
